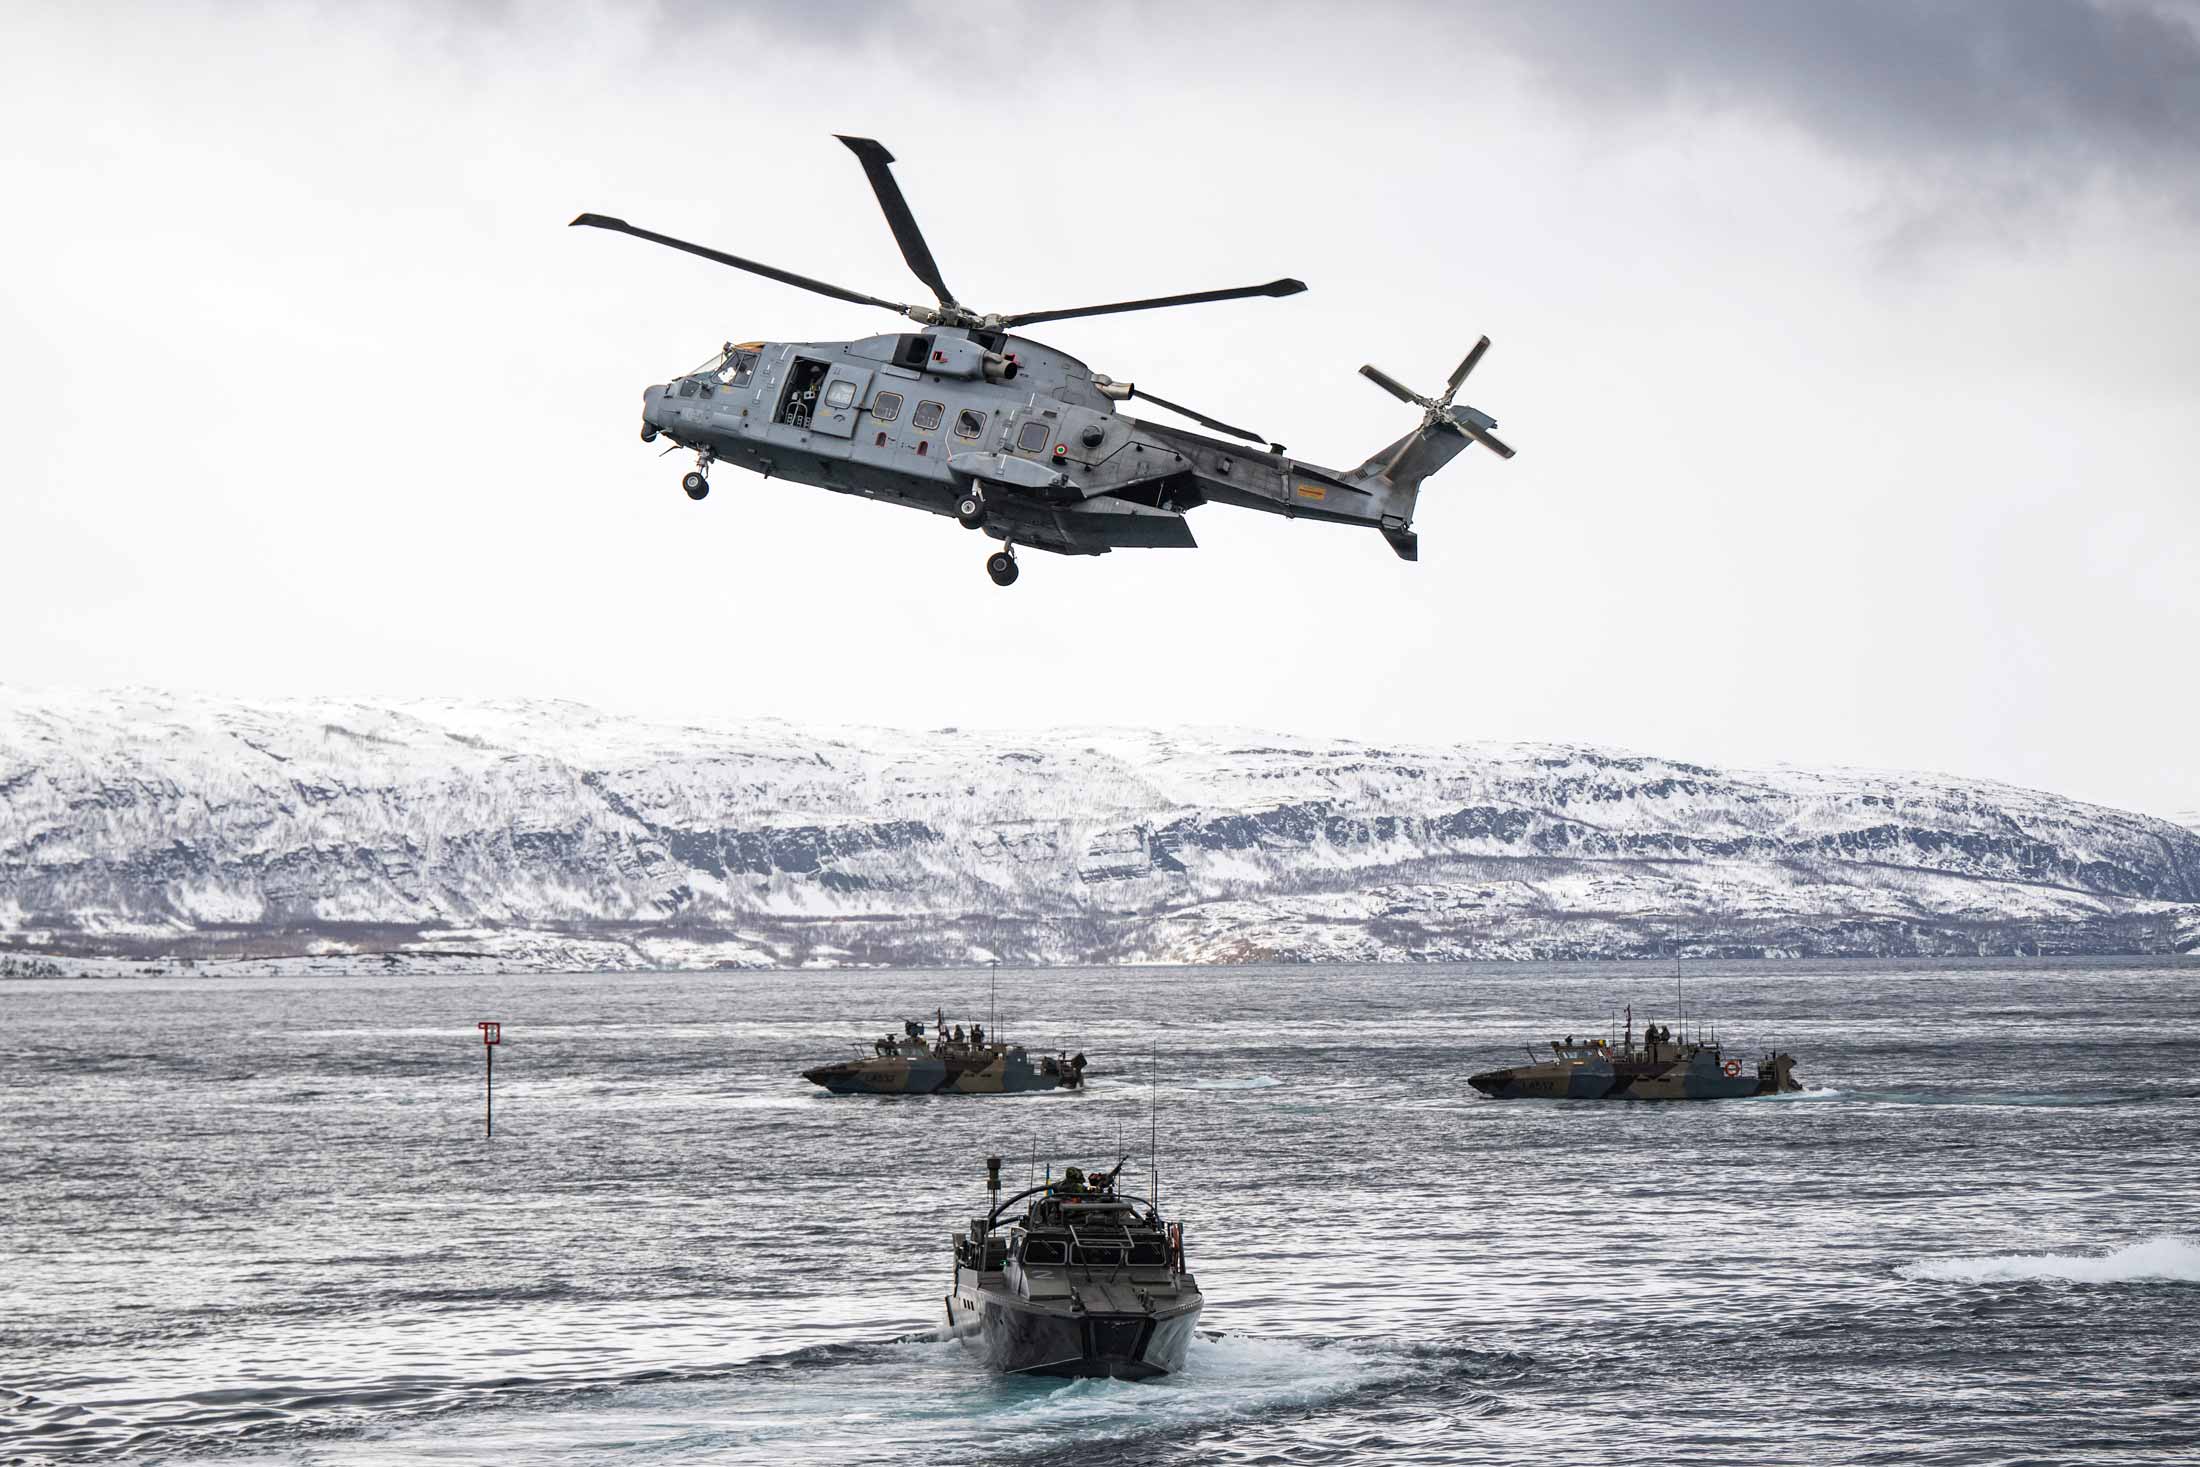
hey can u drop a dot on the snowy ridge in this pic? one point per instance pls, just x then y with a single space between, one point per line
545 834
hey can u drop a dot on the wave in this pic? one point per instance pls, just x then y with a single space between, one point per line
1229 1381
2162 1259
2034 1099
1249 1082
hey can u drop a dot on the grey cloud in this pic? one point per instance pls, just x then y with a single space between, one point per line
2073 88
2076 87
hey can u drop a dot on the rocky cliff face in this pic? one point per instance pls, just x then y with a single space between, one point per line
548 834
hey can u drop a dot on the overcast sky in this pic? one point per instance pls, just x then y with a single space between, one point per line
1851 353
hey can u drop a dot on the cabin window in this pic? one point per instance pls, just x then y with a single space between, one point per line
886 406
928 416
969 423
840 394
1045 1251
1032 438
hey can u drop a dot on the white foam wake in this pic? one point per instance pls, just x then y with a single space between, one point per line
2153 1260
1231 1378
1250 1082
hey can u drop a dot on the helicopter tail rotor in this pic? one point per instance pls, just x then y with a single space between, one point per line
1446 429
1438 413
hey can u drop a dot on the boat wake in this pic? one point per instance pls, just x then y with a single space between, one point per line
817 1403
2161 1259
2035 1099
1248 1082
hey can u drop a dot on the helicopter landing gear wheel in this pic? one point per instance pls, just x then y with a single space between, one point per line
1001 565
695 484
649 434
970 508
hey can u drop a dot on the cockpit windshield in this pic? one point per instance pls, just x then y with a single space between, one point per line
733 366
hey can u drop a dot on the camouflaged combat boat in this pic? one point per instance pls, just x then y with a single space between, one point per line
1087 1282
951 1062
1662 1068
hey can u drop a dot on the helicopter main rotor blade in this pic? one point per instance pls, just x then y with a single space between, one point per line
1459 375
1200 418
876 167
784 277
1273 287
1390 384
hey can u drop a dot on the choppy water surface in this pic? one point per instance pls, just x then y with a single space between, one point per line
257 1219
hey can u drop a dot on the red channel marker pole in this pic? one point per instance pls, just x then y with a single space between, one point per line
491 1037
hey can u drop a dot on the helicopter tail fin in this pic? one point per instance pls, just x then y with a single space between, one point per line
1395 473
1406 462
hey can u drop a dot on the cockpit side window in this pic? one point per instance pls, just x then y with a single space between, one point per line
739 369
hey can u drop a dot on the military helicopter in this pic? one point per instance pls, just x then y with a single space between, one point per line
1030 447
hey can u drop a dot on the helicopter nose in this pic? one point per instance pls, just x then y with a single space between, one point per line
653 399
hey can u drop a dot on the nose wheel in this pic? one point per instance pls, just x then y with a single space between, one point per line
696 481
1001 565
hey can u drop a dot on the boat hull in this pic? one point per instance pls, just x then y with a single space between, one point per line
1698 1077
1546 1082
945 1074
1019 1338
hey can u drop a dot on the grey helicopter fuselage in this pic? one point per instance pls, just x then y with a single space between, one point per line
1009 435
921 418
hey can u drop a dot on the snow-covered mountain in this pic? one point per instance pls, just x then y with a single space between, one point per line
550 834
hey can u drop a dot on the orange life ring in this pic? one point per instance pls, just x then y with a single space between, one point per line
1733 1068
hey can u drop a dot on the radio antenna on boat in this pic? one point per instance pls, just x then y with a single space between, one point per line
1153 1123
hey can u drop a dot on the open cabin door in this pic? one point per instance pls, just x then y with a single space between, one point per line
839 400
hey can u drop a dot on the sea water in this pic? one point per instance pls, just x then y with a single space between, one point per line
258 1219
